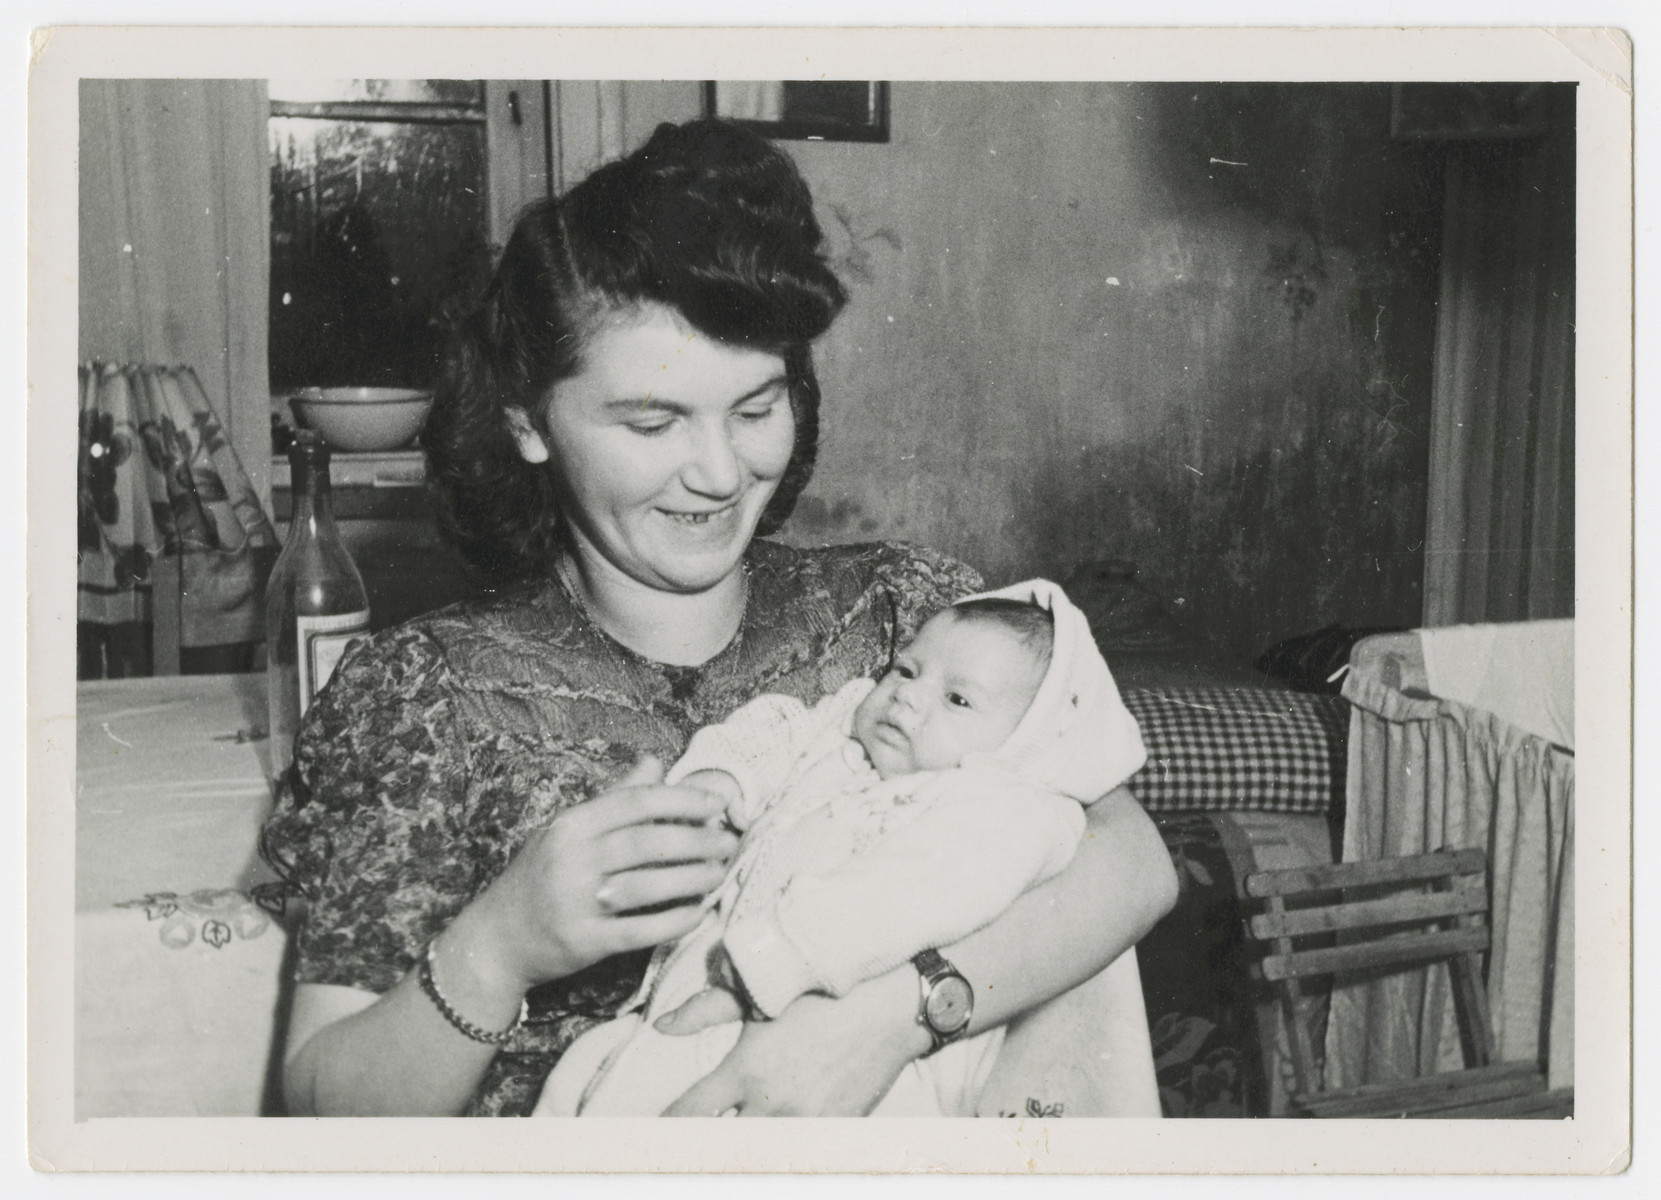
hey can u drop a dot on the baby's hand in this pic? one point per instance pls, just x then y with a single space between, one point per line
717 783
712 1006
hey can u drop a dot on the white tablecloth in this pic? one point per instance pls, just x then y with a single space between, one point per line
177 971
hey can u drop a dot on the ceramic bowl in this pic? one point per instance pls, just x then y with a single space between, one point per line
362 418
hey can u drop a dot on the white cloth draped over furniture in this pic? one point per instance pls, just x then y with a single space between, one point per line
178 973
1429 772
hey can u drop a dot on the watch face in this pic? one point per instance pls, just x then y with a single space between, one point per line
950 1003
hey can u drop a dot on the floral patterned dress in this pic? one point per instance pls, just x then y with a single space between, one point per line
440 746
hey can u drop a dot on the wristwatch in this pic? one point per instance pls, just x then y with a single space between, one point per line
946 1002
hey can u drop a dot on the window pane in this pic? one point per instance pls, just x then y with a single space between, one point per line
385 91
377 240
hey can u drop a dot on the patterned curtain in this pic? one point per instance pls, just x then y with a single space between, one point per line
174 205
156 475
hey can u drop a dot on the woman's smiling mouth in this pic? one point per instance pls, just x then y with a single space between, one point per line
698 518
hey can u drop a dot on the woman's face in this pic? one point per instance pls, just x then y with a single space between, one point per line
668 446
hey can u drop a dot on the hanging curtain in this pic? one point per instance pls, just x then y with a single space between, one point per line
175 207
1500 530
157 476
174 269
1434 772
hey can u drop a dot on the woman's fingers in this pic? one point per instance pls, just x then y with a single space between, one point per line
643 804
712 1006
635 846
630 890
715 1095
650 929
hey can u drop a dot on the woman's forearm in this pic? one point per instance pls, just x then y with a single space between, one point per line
1071 927
398 1056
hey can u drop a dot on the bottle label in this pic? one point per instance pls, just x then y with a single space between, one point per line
322 641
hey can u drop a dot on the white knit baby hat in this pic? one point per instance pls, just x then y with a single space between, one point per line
1077 736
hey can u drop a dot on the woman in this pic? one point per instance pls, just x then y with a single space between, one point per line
475 816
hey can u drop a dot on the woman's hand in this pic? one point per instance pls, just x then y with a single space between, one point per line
566 900
821 1057
573 893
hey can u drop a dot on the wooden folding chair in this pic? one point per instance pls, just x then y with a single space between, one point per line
1402 913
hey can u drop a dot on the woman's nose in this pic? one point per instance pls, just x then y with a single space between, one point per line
713 468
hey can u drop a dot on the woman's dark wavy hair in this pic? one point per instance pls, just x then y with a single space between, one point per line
706 218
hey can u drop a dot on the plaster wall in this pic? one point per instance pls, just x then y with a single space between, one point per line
1187 325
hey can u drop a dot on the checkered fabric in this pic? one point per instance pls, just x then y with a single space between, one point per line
1239 748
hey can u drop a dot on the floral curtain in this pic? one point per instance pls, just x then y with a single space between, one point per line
157 475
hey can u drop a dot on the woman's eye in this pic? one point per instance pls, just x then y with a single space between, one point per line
957 699
648 428
754 415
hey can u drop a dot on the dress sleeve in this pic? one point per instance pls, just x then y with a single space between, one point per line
369 824
980 840
920 582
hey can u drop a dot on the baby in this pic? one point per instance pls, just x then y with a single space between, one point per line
893 817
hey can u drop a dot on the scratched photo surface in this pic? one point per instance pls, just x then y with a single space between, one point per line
1276 379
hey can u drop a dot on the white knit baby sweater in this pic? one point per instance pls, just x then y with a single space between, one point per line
843 876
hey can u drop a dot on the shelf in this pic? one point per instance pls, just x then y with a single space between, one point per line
387 469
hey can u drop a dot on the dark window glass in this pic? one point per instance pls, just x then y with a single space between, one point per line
377 236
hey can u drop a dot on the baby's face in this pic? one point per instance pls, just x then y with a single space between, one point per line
960 686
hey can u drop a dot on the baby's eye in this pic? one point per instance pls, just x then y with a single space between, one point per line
903 671
958 699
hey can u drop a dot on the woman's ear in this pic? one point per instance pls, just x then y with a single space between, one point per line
531 446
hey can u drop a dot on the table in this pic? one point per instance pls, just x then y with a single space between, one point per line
178 973
167 798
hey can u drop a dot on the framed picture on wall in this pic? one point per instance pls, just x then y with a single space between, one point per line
810 110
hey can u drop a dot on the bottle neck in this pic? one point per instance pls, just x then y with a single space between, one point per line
313 504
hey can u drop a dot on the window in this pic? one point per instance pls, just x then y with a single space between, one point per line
386 199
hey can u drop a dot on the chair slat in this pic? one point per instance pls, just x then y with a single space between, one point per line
1539 1106
1420 867
1363 914
1431 1095
1379 953
1470 1000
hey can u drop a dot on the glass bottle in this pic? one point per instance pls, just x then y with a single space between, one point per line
315 603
